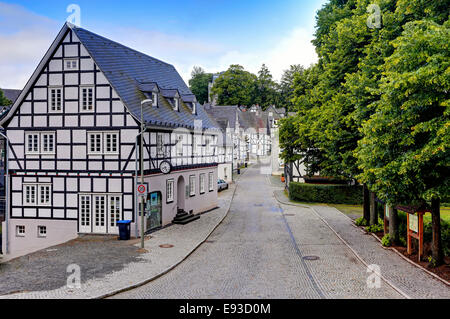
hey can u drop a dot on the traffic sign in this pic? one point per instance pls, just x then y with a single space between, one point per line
142 190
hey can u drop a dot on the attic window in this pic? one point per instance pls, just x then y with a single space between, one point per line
176 104
194 108
155 99
71 64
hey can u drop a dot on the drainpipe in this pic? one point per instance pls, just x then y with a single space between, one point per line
6 193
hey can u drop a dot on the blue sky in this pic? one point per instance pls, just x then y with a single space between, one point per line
212 34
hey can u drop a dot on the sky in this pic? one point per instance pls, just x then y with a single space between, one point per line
212 34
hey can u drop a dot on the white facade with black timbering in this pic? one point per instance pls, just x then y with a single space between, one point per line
73 144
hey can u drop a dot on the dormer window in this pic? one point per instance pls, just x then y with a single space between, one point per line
176 104
194 108
155 99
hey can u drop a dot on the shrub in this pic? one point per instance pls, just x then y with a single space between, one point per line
361 222
386 241
329 194
375 228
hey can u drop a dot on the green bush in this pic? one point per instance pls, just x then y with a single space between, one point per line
361 222
375 228
386 241
329 194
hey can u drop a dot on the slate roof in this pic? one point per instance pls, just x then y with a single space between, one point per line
11 95
224 113
129 70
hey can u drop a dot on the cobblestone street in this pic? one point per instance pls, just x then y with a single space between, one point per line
262 250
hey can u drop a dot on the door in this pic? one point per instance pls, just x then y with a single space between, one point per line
99 214
154 211
85 225
115 214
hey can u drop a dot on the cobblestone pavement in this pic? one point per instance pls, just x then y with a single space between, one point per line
47 269
107 266
258 252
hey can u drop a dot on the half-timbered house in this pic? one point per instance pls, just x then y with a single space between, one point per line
74 134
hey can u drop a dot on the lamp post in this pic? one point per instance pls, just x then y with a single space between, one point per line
141 154
6 164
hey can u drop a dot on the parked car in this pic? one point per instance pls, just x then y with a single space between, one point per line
221 185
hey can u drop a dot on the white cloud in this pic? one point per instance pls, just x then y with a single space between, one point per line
25 37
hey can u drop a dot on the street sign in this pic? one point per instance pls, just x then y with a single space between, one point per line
142 190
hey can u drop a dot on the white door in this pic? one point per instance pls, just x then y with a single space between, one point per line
99 214
115 214
85 220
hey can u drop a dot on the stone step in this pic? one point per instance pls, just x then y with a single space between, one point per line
186 219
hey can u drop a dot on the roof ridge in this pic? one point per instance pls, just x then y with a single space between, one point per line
75 28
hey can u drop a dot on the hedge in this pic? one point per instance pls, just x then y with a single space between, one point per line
329 194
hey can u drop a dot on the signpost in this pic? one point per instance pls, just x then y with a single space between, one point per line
142 190
386 219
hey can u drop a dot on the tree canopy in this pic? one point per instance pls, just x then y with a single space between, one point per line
3 100
199 83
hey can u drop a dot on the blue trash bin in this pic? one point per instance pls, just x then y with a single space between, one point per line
124 229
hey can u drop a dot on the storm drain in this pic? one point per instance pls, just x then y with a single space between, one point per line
289 215
311 258
166 246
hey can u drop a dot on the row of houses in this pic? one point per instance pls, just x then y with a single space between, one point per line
74 144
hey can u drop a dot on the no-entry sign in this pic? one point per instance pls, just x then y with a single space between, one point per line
142 190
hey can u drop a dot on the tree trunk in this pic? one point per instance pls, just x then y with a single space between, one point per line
393 225
366 208
437 252
373 210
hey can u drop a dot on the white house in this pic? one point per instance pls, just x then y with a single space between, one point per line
73 154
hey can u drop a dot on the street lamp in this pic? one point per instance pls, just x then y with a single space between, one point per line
6 165
141 153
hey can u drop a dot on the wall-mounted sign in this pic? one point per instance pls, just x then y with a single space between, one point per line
414 223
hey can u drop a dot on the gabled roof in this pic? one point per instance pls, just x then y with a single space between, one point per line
224 113
128 72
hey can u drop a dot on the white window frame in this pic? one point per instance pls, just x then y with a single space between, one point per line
42 194
176 104
42 231
170 188
89 107
97 147
35 143
51 146
101 145
71 67
20 231
202 183
192 188
29 200
53 106
211 181
114 149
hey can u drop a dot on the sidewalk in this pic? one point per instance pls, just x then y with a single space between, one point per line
142 268
411 280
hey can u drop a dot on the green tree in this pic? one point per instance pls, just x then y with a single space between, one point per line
3 100
266 88
286 87
235 87
199 84
404 155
